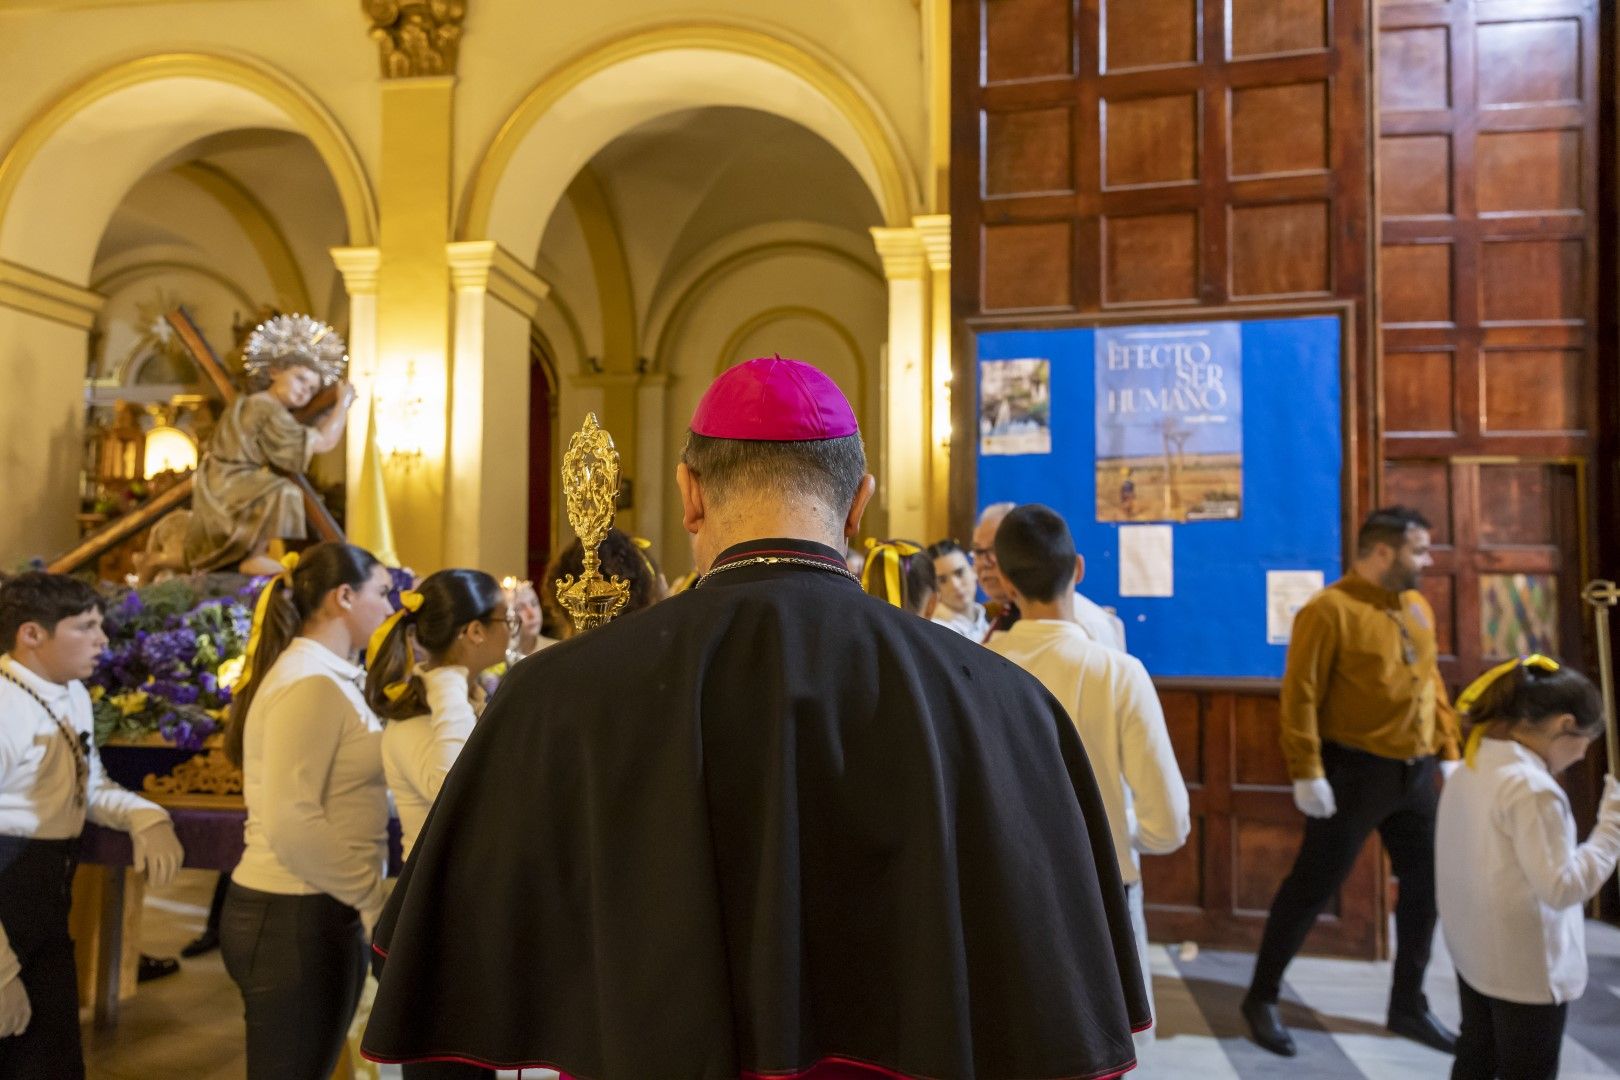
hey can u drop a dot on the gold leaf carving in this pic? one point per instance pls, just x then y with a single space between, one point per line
416 37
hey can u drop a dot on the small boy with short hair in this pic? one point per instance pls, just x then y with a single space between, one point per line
1109 697
51 781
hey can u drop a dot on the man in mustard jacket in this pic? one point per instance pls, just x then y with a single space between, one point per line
1366 726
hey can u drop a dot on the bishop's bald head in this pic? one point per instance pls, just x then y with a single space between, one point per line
774 436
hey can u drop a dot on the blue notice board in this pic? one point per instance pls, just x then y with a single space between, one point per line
1214 624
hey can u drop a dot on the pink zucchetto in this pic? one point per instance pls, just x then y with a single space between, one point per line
773 399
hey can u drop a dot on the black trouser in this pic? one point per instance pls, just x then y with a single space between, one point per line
300 962
1398 799
36 892
1506 1039
216 906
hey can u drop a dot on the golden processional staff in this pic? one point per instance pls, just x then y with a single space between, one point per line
1603 595
590 475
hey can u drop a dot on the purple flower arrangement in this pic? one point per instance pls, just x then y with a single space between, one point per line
174 650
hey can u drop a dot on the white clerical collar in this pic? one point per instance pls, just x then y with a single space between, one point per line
51 692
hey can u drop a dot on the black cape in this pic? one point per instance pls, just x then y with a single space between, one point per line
767 823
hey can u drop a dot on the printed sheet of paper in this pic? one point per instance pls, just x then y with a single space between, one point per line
1147 560
1286 592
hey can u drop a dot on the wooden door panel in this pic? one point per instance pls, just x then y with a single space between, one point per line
1264 28
1149 33
1027 39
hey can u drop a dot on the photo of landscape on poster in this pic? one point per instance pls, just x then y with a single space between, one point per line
1015 407
1170 423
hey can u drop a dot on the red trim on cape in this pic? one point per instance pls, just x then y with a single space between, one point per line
831 1067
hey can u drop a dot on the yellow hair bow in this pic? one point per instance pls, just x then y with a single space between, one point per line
887 553
410 602
1476 689
643 545
289 563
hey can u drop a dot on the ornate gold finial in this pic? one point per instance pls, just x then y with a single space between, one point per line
416 37
590 475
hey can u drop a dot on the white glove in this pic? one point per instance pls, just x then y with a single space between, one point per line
1449 767
1314 798
158 852
1609 805
15 1011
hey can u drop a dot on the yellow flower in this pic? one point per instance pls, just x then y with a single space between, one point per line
130 702
97 693
230 671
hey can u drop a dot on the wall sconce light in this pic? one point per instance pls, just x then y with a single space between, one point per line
399 417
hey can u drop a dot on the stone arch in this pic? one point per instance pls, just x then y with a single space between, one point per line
612 87
130 117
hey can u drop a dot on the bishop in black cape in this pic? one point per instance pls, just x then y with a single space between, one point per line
770 827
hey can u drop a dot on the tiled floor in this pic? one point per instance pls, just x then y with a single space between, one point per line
189 1026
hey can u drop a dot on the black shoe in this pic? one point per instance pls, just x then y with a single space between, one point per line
1266 1025
206 942
1423 1027
153 967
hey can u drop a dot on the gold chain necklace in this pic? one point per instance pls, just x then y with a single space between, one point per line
74 739
772 560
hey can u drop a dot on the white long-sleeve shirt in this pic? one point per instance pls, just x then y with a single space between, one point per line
971 624
1112 702
39 774
1100 624
1510 879
417 753
312 778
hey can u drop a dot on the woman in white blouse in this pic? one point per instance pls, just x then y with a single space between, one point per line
458 619
303 899
1510 879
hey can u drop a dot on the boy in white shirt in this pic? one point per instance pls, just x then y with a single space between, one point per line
1107 692
1509 878
51 780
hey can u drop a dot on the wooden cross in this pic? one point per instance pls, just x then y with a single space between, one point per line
116 532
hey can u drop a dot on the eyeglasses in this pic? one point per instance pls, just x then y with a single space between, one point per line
984 557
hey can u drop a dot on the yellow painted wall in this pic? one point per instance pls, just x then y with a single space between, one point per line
410 170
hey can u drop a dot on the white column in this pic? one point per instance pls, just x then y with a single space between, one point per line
904 485
935 232
44 337
656 469
487 493
358 265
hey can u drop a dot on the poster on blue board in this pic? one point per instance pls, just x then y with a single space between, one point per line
1169 403
1015 407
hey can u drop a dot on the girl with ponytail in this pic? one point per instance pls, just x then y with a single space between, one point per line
458 619
1510 879
302 901
902 573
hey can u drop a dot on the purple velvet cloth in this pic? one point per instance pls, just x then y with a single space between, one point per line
212 840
